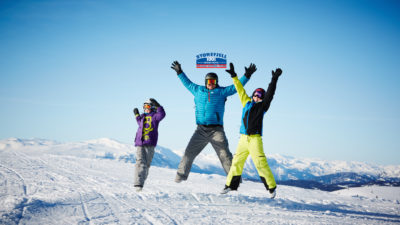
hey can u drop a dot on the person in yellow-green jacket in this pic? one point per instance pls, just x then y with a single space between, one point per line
250 141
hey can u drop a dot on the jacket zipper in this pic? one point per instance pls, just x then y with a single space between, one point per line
248 115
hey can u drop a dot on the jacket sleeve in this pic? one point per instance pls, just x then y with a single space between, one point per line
192 87
230 90
160 114
244 98
139 118
269 95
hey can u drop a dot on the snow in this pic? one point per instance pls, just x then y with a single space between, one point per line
379 192
284 167
45 182
317 167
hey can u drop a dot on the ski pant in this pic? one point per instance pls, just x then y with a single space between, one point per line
201 137
253 145
144 155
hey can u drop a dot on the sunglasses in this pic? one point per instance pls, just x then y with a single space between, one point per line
146 106
211 81
257 94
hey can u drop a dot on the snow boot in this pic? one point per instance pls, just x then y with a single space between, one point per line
272 192
225 190
138 188
178 178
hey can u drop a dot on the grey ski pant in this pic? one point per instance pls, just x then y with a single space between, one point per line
144 155
201 137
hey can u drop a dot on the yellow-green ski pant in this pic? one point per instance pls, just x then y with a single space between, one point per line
253 145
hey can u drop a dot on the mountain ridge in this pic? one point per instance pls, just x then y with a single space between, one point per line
306 173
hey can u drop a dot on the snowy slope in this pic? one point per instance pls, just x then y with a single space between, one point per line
283 167
378 192
57 189
44 182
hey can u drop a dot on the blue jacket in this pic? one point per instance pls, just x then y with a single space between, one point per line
210 104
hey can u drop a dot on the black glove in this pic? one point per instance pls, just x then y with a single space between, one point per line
231 71
177 67
136 111
154 102
276 73
249 71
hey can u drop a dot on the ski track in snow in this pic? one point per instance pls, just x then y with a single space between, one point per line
12 184
38 187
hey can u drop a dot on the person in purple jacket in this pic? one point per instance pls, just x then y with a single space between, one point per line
146 139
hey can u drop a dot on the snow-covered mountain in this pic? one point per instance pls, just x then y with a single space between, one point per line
309 173
91 182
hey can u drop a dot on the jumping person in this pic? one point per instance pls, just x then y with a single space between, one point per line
146 139
250 141
210 106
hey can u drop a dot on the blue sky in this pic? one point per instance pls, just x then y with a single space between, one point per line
74 70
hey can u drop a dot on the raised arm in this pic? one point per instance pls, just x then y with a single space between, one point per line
192 87
160 113
269 95
244 98
137 115
230 90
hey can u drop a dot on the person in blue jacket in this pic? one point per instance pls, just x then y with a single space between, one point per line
210 106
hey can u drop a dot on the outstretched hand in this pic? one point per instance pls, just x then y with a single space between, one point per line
177 67
249 71
136 111
231 70
154 102
276 73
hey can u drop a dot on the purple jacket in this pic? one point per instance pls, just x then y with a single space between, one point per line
147 133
